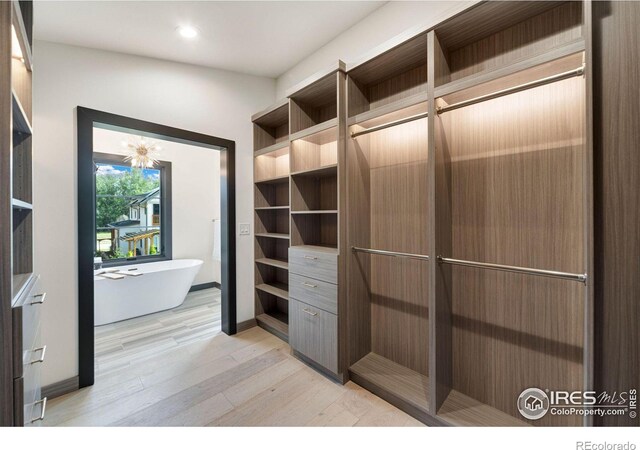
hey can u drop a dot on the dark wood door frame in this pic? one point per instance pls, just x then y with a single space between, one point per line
86 120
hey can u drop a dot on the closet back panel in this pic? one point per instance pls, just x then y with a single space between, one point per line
398 198
517 198
535 35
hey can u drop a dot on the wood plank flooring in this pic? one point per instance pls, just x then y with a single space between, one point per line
175 368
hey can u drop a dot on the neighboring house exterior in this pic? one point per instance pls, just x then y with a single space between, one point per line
144 217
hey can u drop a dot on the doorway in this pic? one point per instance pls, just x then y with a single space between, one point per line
141 235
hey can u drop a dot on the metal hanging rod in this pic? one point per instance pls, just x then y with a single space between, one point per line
581 277
389 124
388 253
522 87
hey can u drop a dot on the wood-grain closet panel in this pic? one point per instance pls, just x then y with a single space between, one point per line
517 198
398 192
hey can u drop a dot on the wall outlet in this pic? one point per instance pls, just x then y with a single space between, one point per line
244 229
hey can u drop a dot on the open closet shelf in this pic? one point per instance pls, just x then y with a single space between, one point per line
274 180
273 235
274 263
317 211
21 34
461 410
272 148
308 132
269 208
389 108
391 119
20 121
406 384
20 205
541 59
317 172
275 321
280 290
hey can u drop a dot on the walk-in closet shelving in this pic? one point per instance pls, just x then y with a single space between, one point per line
22 351
271 201
511 196
387 221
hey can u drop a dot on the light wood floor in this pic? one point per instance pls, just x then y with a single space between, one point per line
176 368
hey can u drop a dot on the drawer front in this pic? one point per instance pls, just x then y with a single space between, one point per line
18 401
32 394
26 323
315 264
313 292
314 333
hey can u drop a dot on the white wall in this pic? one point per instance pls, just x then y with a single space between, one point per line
204 100
383 24
195 186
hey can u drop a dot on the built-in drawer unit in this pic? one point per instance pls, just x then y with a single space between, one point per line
28 355
315 262
314 292
26 322
313 332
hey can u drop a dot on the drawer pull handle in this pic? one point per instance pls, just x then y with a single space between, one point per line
43 402
310 257
41 359
40 298
311 313
310 285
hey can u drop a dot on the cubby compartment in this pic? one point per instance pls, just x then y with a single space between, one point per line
315 106
272 221
394 80
317 151
272 166
272 313
271 195
271 129
22 240
511 32
22 167
315 191
272 249
314 229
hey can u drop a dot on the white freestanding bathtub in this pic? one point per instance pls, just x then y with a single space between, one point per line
162 285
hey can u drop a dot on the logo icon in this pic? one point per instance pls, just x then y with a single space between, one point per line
533 404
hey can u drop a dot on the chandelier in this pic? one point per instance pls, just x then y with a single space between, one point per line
141 153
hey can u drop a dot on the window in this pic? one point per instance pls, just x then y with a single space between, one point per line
124 195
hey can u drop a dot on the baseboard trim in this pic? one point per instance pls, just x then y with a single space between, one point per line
246 325
200 287
61 388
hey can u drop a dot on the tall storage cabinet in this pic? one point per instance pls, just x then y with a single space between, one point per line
21 296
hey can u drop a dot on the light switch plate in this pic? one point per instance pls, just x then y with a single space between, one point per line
244 229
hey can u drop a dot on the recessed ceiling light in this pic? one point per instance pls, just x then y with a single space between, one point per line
187 31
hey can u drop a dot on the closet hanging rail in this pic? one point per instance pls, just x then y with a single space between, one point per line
522 87
388 253
389 125
581 277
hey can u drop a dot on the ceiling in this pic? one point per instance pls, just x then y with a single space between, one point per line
257 38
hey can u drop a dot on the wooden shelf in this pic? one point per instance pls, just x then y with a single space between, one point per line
275 180
276 323
21 33
307 132
20 121
280 290
389 108
405 384
325 211
272 148
19 281
273 235
511 70
461 410
20 205
270 208
318 172
273 263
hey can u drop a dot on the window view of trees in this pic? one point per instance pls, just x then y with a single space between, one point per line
127 211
